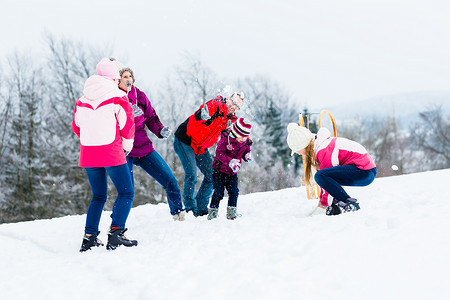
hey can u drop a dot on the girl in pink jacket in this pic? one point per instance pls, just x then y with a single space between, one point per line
104 122
339 161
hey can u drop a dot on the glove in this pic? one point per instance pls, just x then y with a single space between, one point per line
235 164
249 157
137 111
165 132
205 113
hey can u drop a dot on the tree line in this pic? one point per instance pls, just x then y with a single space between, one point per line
39 173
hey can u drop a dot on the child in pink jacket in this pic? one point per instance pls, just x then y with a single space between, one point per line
339 161
104 122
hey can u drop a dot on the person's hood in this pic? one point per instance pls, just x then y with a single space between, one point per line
322 136
98 88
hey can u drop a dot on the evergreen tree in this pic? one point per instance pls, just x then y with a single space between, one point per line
310 121
24 166
275 135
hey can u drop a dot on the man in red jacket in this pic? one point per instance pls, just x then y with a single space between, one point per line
192 140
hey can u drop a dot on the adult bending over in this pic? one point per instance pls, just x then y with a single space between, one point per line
193 138
339 161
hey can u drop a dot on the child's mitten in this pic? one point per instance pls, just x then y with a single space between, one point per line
235 164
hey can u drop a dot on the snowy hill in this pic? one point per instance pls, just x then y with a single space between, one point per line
405 107
396 247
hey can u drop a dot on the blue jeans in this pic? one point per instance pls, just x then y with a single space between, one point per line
120 176
220 182
190 162
332 179
156 167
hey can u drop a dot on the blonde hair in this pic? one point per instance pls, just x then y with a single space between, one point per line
310 161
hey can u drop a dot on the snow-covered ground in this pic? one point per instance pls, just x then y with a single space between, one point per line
396 247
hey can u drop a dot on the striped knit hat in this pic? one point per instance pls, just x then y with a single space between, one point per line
241 128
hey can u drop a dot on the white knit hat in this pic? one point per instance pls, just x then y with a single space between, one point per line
119 65
298 137
122 68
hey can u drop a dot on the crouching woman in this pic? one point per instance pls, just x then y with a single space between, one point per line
339 161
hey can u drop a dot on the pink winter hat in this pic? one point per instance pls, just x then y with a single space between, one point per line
108 69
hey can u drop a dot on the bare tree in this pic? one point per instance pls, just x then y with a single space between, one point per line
5 109
196 80
431 135
269 109
382 138
181 93
69 64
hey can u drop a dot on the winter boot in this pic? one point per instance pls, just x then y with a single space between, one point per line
90 241
333 210
116 238
179 216
213 213
345 206
349 205
231 213
201 213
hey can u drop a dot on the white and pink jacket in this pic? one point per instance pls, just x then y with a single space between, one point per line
336 151
104 122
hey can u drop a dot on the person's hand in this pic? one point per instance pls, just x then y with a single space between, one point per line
165 132
249 157
205 113
235 164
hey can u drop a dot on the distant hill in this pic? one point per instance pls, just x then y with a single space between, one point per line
405 107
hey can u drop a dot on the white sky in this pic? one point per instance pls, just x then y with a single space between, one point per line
323 51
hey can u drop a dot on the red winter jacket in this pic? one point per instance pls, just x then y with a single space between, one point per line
201 134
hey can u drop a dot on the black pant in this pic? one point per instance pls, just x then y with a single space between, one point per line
220 182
